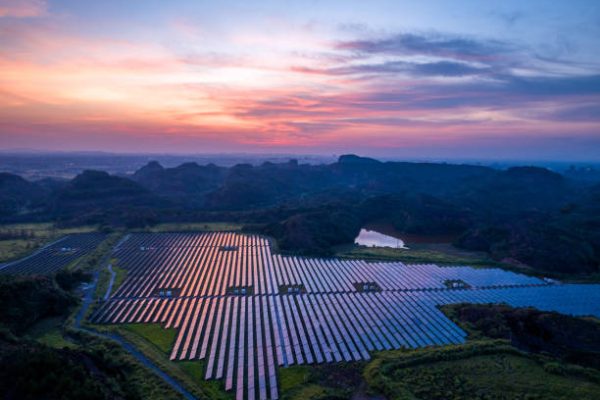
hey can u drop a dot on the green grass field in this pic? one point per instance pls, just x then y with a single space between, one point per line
196 227
38 234
479 369
292 377
437 253
104 279
482 370
162 338
195 370
49 332
120 276
331 381
156 343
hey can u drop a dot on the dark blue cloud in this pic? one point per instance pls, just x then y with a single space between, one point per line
583 113
441 68
447 68
553 86
433 44
509 92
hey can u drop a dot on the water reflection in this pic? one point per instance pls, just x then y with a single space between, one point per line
375 239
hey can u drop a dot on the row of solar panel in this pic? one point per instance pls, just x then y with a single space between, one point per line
207 270
243 338
56 256
151 241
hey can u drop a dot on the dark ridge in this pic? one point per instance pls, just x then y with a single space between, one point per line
354 159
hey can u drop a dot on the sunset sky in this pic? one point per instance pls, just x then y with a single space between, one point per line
456 79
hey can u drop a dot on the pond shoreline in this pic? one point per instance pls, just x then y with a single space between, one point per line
386 228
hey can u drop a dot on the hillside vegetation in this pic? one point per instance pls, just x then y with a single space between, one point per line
528 217
39 361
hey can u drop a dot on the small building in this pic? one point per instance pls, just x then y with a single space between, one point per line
228 248
367 286
240 290
456 284
291 289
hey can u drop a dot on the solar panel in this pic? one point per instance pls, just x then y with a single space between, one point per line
319 315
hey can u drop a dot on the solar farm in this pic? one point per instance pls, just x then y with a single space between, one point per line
56 255
246 311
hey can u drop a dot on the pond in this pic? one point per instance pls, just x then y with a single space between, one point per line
370 238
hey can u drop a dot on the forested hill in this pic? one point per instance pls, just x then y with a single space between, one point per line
528 214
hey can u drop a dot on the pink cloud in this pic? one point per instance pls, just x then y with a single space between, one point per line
116 93
22 8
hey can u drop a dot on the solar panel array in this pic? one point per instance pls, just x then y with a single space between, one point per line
182 281
55 256
198 265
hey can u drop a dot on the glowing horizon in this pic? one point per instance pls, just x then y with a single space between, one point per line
389 78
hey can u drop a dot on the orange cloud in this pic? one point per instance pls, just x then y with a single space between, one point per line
76 91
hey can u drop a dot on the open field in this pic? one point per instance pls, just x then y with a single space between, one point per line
485 369
347 310
163 339
49 331
437 253
338 381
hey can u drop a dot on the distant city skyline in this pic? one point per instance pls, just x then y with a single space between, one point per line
431 79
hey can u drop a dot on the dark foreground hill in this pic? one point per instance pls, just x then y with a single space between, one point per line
511 353
18 195
85 367
526 215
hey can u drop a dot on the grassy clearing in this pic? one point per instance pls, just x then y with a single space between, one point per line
152 343
291 377
99 256
195 370
490 370
105 276
49 331
120 276
137 376
102 284
14 249
438 253
23 239
196 227
162 338
307 392
481 369
331 381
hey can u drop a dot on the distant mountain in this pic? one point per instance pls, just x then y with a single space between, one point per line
521 189
18 195
246 186
185 184
96 196
353 159
528 215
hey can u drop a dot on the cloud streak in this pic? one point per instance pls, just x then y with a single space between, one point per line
435 44
401 90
